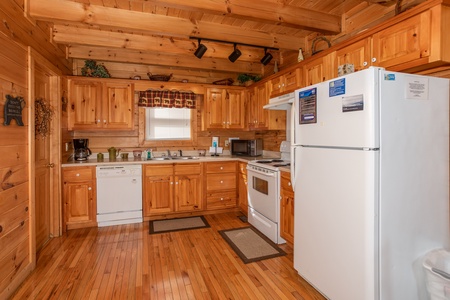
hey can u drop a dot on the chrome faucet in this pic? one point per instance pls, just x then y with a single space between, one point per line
168 153
181 152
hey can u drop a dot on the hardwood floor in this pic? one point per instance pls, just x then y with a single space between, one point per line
125 262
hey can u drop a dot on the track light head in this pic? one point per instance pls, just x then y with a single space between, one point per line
235 54
267 57
201 49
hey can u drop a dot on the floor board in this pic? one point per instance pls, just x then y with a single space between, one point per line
125 262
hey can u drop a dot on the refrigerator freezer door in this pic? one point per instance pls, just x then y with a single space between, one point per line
346 112
335 221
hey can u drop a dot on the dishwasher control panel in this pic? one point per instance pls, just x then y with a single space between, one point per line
113 171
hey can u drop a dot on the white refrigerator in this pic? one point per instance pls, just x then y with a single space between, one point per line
370 170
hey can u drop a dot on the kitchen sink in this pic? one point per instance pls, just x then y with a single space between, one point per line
175 158
184 157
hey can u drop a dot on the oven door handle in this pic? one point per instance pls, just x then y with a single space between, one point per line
261 173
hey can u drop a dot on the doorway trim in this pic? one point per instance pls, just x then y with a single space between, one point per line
34 58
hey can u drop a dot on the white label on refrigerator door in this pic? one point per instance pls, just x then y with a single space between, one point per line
308 106
416 88
337 87
352 103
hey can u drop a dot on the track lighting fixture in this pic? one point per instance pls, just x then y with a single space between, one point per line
267 57
235 54
201 49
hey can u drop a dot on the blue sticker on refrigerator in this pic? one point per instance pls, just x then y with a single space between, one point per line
308 106
337 87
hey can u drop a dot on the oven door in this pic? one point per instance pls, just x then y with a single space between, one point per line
263 193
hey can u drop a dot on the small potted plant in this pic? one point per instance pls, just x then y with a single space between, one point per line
248 79
92 69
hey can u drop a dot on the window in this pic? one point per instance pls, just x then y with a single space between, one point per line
167 124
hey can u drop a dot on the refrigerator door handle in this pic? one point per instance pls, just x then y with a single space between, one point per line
293 168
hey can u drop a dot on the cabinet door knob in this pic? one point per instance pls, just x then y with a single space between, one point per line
221 168
374 59
221 199
89 188
365 64
104 121
78 174
221 181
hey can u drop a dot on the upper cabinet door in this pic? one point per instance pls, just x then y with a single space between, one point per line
84 99
236 109
118 106
358 54
215 108
404 42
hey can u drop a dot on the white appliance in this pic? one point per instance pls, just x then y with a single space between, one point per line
371 174
119 194
283 102
264 193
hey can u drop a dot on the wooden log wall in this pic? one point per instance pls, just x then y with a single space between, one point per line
15 220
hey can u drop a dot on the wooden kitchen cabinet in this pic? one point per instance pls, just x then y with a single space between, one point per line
100 105
286 82
319 69
287 208
158 189
358 53
221 184
172 188
188 187
79 197
260 118
224 109
243 187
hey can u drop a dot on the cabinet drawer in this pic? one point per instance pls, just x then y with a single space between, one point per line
79 174
158 169
219 167
221 181
221 200
188 169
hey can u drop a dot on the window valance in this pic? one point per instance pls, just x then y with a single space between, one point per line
167 99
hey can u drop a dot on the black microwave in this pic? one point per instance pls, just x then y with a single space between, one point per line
247 147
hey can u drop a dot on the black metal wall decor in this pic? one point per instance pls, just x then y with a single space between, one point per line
13 109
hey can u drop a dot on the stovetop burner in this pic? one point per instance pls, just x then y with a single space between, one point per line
282 165
270 163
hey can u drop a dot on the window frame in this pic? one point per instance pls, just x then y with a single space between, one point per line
168 143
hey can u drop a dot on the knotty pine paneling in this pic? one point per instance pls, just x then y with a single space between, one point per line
15 259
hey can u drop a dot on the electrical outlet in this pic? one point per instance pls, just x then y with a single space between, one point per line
227 143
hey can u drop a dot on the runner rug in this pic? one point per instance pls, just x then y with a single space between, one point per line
160 226
251 245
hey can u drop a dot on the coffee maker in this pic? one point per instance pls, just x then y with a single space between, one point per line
81 150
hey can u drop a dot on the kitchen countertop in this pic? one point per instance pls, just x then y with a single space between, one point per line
144 161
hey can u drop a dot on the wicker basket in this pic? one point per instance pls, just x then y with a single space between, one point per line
159 77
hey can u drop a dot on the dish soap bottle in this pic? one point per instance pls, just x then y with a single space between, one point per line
149 153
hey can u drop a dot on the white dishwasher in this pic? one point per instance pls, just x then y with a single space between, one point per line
119 194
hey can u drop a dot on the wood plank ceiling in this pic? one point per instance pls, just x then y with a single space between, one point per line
133 37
